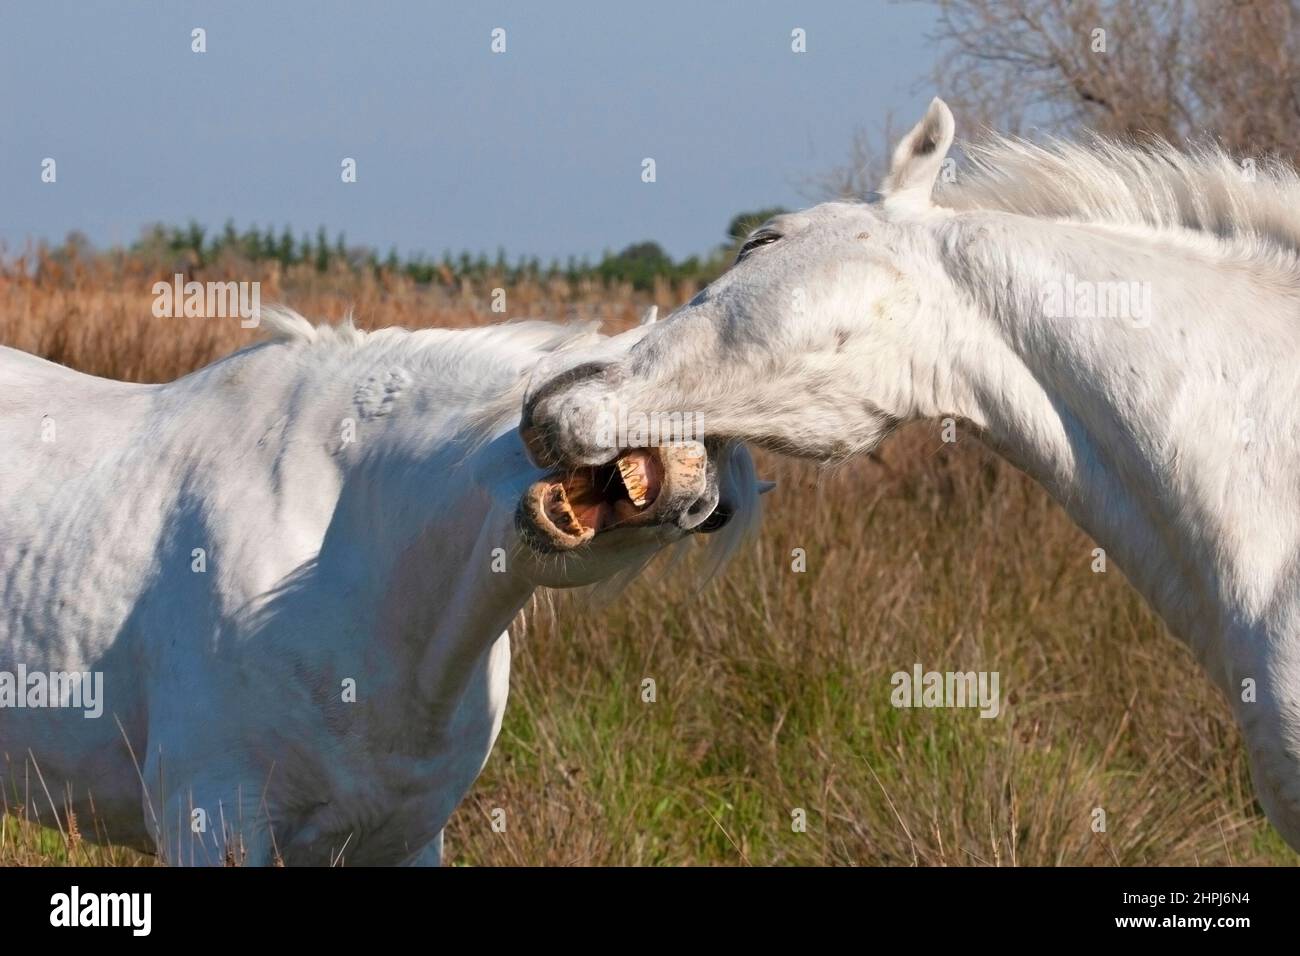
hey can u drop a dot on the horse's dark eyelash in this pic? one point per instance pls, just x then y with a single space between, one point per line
762 239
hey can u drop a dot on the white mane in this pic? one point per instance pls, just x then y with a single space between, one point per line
283 324
486 362
1155 185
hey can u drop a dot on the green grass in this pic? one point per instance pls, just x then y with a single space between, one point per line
773 694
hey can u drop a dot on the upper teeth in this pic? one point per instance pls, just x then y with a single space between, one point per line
634 480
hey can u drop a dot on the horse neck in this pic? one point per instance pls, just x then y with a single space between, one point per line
1123 419
406 565
446 581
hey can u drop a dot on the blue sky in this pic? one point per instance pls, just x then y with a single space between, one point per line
537 150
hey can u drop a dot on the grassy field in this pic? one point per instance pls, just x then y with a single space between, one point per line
772 685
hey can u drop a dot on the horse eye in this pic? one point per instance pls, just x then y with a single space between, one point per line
762 239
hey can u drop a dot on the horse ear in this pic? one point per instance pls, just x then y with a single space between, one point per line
919 157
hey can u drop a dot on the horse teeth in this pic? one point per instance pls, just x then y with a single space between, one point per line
560 511
634 478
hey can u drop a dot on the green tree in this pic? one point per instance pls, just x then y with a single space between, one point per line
322 250
284 249
638 264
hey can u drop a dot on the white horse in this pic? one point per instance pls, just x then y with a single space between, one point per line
288 577
1122 323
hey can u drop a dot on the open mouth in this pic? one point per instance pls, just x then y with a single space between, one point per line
566 509
596 499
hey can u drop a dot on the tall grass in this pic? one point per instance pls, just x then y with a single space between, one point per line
771 685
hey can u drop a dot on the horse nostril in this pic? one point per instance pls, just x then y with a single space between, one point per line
559 383
716 521
545 409
537 446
